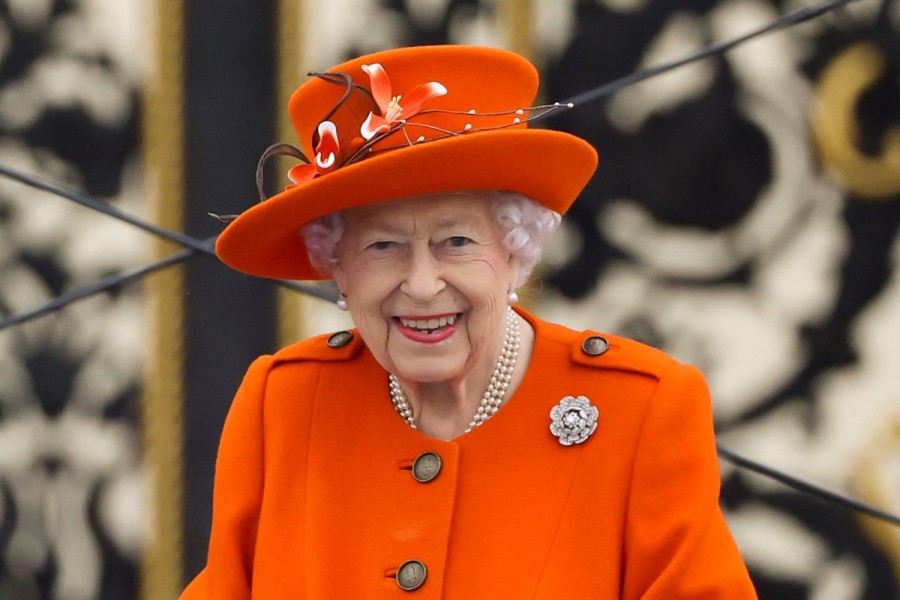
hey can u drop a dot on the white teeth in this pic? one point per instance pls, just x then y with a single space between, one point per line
429 323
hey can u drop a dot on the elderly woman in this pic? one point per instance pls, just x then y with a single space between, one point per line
452 445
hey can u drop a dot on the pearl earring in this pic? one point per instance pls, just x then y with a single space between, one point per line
342 302
512 297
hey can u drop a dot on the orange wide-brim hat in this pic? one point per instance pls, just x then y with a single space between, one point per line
402 123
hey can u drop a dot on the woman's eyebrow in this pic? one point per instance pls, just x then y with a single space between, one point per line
452 222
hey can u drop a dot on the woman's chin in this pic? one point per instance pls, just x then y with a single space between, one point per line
427 356
426 371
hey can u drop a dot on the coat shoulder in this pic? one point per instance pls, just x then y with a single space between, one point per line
329 347
607 351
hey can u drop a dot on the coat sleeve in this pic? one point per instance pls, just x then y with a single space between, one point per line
237 495
677 545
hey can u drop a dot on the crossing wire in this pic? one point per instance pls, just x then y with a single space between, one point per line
789 20
204 247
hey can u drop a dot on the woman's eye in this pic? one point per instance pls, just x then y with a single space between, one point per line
382 245
458 241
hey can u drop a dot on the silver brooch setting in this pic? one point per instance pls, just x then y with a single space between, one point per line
573 420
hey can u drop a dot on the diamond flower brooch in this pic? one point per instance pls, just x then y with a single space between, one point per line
573 420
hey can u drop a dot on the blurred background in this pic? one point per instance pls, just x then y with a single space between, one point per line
744 218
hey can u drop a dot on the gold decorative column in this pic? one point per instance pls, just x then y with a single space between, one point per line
162 412
515 22
290 304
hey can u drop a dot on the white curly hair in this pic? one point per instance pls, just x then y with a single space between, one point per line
526 225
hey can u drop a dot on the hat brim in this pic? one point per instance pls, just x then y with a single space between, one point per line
550 167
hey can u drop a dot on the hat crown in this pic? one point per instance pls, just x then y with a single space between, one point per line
486 88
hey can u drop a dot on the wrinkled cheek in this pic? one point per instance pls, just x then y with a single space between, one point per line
495 307
486 326
371 328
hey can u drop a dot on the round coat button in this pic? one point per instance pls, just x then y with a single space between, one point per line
594 345
339 339
426 467
411 575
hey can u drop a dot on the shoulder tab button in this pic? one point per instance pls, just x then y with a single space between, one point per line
594 345
339 339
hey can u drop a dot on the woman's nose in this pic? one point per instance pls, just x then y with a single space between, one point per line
423 281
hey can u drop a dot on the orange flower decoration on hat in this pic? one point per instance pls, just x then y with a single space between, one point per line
394 109
327 151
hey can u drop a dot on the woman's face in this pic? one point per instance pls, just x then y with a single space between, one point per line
426 283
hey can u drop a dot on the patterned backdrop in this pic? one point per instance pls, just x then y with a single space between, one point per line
71 497
744 219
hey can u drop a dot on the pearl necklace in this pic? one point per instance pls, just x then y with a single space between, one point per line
496 390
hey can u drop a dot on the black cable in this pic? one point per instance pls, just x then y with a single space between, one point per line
788 20
206 247
806 487
128 276
184 240
95 288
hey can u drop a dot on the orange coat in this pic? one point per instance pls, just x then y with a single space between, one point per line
314 496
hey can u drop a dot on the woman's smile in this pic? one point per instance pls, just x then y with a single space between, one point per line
427 329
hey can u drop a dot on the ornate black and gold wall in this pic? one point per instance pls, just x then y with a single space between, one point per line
745 218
